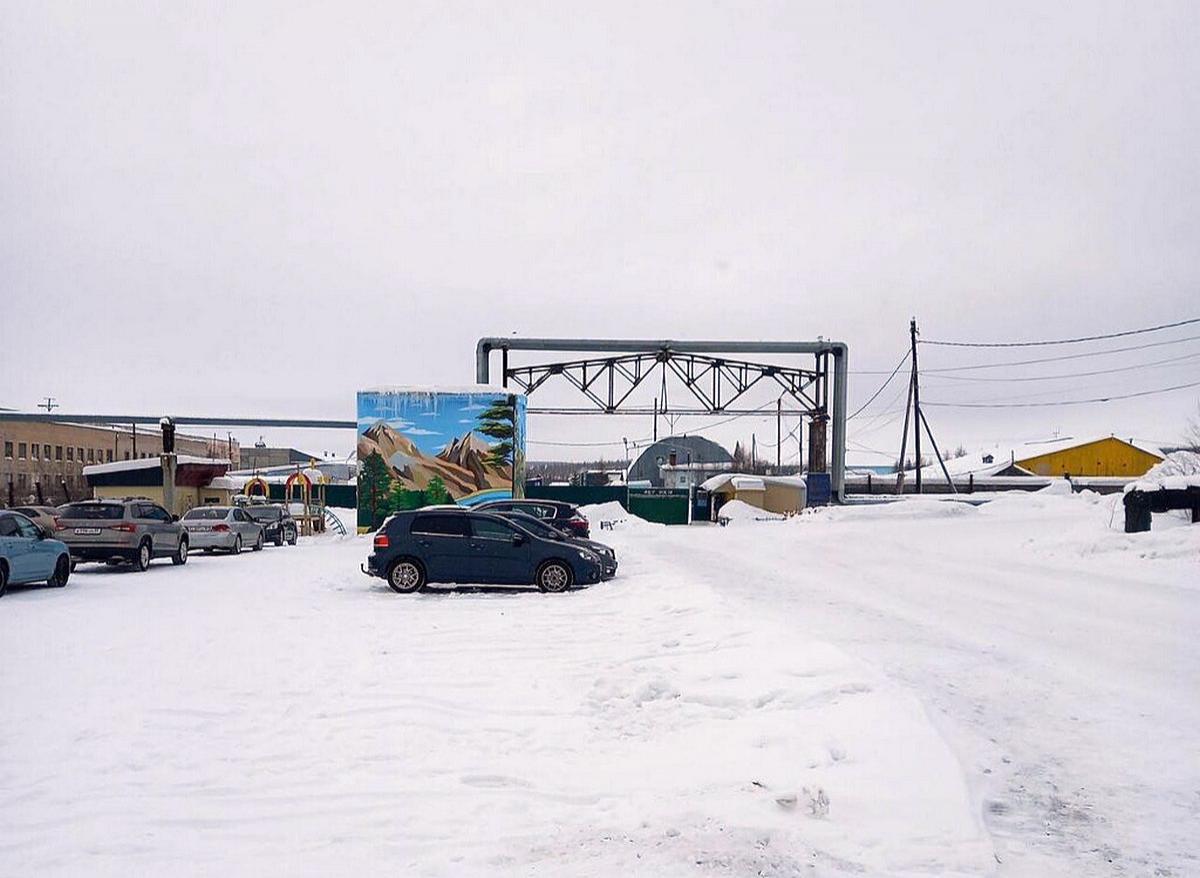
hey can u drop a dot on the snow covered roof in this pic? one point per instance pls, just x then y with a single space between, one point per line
1049 446
434 389
742 482
120 466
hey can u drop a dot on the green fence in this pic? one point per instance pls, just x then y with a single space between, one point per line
580 495
341 496
662 505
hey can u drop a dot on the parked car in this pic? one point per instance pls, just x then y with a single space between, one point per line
45 517
227 528
463 546
277 522
564 516
536 526
28 555
135 530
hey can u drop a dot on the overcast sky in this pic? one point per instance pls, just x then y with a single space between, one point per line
257 209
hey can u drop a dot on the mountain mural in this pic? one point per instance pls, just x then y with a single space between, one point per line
461 465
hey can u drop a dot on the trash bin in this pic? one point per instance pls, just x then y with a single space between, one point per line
819 488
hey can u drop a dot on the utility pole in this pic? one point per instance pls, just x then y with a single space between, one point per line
134 432
49 405
916 399
656 419
753 452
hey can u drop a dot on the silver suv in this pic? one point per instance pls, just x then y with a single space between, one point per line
134 529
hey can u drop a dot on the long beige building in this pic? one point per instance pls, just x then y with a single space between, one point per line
45 460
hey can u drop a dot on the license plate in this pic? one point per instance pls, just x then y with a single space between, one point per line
200 528
87 531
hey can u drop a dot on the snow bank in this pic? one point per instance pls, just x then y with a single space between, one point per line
613 513
1180 469
740 512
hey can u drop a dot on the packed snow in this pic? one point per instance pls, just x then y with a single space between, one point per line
918 688
1180 469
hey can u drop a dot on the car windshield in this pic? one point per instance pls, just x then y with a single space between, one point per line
537 526
99 511
263 513
206 512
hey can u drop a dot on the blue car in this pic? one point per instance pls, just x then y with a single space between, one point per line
28 554
440 544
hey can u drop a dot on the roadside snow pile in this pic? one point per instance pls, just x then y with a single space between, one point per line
907 507
739 511
1180 469
600 515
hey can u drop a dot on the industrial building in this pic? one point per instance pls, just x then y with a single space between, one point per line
44 460
689 451
1106 457
198 481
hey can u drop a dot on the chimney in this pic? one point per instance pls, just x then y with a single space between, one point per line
671 458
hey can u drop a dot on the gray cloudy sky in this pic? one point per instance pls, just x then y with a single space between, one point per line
251 208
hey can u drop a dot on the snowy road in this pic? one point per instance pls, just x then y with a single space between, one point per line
280 713
1058 655
915 690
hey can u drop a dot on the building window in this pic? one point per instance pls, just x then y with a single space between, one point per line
8 450
80 450
127 455
22 481
21 450
91 455
45 452
108 456
70 453
58 452
35 450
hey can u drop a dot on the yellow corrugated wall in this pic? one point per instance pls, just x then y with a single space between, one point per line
1104 457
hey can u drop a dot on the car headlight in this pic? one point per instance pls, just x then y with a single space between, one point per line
588 556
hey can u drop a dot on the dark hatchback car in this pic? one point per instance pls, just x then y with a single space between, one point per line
278 525
607 556
466 547
563 516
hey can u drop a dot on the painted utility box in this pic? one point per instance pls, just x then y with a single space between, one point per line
420 446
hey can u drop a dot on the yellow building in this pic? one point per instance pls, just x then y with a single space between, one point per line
780 494
1109 456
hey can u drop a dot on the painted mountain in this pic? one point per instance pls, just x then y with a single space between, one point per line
462 465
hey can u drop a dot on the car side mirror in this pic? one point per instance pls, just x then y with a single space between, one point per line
518 539
43 534
174 518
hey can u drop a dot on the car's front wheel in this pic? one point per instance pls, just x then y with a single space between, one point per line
3 579
554 576
181 554
406 576
62 572
141 561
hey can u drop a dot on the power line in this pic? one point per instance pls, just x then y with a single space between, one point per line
1015 405
1077 340
1141 347
899 365
1076 374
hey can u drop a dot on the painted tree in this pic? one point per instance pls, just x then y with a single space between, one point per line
374 485
498 421
436 492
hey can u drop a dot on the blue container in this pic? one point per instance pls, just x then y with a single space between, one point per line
820 489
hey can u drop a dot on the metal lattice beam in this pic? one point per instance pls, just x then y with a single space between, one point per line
716 383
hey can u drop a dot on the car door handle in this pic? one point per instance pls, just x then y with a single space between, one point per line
423 542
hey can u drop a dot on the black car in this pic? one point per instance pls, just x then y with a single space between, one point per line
563 516
467 547
607 556
277 522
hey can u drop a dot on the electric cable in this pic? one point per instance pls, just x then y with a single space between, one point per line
1077 340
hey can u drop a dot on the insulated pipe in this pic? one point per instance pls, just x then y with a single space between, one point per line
631 346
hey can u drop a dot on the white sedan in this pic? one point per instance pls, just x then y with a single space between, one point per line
227 528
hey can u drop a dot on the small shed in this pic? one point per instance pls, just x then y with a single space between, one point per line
780 494
198 481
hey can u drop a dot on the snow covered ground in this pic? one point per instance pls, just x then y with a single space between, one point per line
920 689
